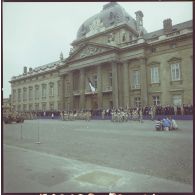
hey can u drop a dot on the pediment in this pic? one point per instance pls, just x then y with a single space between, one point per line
89 49
154 63
173 59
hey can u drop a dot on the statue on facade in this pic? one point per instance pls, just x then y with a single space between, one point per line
61 57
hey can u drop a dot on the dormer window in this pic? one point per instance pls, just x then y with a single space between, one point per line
130 37
124 37
110 37
111 15
153 49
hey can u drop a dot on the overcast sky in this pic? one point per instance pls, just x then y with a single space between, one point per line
35 34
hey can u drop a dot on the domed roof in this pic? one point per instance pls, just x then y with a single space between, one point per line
112 14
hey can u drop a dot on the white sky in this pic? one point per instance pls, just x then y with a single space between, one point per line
35 34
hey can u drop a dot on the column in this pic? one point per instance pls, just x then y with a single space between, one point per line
99 86
126 84
114 84
82 89
70 74
61 92
144 90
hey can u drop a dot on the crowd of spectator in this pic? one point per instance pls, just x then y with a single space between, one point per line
151 111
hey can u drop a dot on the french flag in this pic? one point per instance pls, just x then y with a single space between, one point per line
93 89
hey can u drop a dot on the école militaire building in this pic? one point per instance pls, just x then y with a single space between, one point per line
127 66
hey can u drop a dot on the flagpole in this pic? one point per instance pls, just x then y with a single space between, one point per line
38 139
21 136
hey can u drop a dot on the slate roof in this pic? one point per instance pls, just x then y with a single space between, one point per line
39 69
176 27
49 65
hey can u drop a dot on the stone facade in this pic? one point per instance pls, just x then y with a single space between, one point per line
126 65
38 90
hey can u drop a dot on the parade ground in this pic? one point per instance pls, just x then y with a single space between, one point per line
96 156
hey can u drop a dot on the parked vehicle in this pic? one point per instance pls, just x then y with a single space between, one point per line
13 117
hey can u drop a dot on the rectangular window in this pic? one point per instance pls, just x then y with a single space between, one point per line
24 107
44 91
30 93
136 80
156 100
51 90
137 102
30 107
24 94
14 95
175 72
44 106
154 75
51 105
36 107
19 108
36 92
19 95
59 105
177 100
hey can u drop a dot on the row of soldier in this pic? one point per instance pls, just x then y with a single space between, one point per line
117 115
120 114
82 115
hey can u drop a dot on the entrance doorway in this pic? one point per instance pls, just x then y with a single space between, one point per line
111 104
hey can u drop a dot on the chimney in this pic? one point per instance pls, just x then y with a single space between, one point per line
139 21
25 70
167 26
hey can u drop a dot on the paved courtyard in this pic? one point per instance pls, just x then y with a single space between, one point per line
97 156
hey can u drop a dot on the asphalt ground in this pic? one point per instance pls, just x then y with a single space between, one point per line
107 155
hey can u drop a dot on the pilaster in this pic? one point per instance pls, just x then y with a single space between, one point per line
70 74
99 86
114 84
126 83
61 92
144 90
82 89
